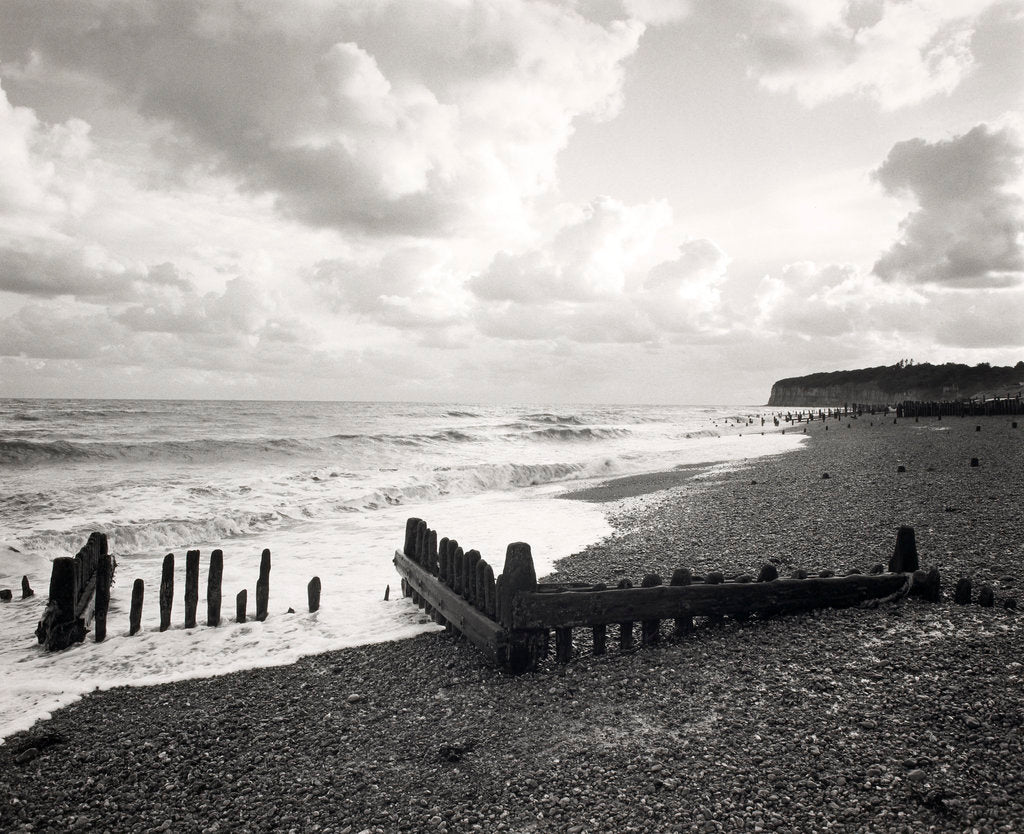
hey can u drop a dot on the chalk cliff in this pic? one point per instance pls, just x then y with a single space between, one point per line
891 384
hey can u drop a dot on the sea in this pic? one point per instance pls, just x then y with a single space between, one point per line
326 486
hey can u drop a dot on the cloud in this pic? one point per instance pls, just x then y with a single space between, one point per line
593 281
896 52
812 301
240 327
43 168
588 258
412 287
49 268
379 117
657 12
683 295
968 230
834 303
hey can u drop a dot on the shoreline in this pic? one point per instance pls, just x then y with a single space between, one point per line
906 717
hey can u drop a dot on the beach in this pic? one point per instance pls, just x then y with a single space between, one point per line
901 717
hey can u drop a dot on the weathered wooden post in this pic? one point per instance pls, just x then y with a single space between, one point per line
563 645
241 602
432 551
518 575
962 593
458 560
26 589
480 593
313 594
442 560
650 629
682 576
974 462
409 548
768 573
926 584
213 588
986 597
263 586
135 614
166 592
63 597
904 555
191 587
420 556
104 569
469 576
625 628
490 601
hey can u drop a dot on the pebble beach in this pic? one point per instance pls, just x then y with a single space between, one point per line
900 717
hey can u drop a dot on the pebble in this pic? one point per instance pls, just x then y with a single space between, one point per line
710 733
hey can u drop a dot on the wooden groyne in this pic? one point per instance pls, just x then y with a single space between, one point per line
80 594
511 617
79 589
997 407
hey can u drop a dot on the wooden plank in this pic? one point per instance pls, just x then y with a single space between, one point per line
480 630
546 610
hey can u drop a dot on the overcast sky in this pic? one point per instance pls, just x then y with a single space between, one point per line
488 200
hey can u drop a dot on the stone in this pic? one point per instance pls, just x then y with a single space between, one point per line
6 595
25 756
917 775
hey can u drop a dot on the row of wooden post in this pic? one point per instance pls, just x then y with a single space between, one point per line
539 609
6 594
963 594
467 573
996 407
213 593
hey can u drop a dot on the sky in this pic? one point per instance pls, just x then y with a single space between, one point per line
621 201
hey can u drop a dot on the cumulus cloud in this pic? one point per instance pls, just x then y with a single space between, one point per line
897 52
240 326
684 295
383 117
49 268
43 168
410 287
968 230
811 301
657 12
592 281
590 257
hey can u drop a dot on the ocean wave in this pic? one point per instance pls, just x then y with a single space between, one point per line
564 433
561 419
156 534
696 435
460 414
15 452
